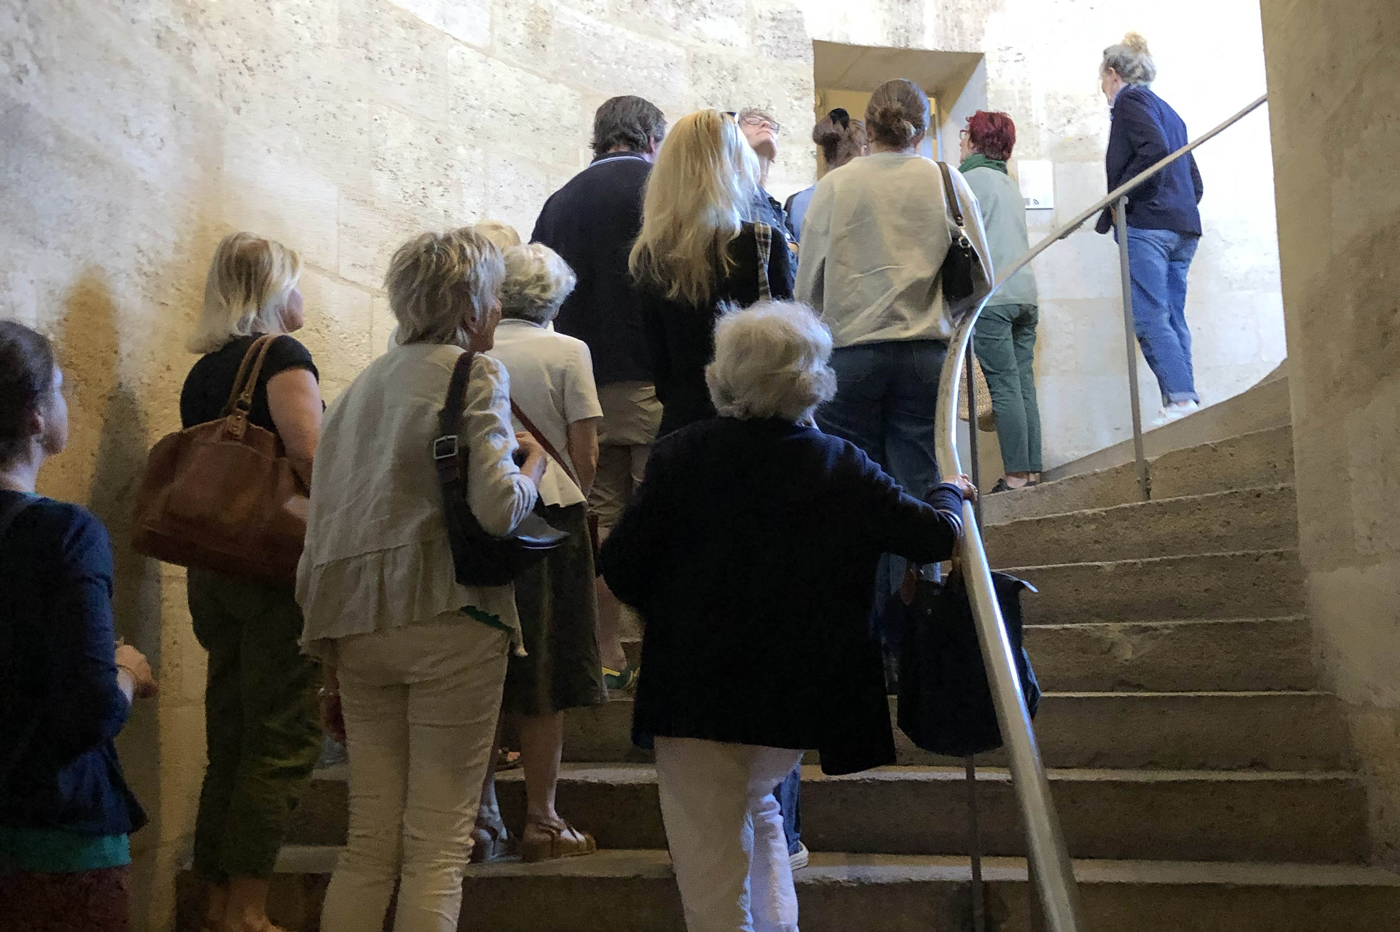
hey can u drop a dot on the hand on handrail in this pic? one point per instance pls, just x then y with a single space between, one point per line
965 486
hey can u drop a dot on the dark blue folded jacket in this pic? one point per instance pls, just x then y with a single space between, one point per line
1145 131
60 705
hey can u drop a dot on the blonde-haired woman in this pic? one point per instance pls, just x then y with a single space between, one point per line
260 702
698 253
414 660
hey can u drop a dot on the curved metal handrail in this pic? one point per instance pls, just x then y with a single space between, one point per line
1048 856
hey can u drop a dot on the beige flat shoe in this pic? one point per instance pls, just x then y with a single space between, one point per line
545 842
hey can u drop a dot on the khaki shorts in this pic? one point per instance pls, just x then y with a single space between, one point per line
631 416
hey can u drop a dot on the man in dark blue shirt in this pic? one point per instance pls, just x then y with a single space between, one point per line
592 222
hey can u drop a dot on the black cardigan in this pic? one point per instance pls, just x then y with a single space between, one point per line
682 336
750 550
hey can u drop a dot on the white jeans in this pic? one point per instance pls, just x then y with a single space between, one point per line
420 708
725 832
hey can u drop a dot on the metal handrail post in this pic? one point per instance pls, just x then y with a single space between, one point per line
1059 894
1120 219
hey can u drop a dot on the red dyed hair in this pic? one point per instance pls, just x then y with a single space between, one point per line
992 133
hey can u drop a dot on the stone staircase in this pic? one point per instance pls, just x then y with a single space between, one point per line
1203 780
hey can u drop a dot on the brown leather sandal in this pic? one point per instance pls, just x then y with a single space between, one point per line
545 842
489 840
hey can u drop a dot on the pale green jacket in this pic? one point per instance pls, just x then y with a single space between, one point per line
1004 220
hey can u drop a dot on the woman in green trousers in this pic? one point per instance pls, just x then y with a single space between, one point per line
1005 336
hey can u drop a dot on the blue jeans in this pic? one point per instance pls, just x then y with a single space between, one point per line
789 803
886 399
1158 261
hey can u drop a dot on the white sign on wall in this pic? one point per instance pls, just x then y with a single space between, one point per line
1037 180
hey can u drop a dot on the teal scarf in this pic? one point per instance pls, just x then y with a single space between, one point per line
978 160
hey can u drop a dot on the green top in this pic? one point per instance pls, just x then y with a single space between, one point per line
57 851
1004 219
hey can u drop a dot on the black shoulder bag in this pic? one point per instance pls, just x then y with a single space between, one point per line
961 261
481 559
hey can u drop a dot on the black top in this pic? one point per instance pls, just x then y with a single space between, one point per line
592 223
1146 130
58 675
682 336
209 383
750 550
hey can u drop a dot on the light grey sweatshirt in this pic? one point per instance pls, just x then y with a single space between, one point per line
873 245
1004 218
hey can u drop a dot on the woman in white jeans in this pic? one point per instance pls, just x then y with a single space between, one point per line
415 661
750 550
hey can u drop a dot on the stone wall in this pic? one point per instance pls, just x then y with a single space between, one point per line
135 133
1334 84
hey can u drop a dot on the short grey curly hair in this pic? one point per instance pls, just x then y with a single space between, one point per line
537 282
771 360
442 286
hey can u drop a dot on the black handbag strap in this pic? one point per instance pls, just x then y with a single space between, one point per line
448 451
954 208
763 235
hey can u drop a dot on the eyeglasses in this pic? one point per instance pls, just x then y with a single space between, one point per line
963 134
755 120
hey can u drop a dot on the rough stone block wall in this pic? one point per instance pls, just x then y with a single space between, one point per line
135 133
1334 79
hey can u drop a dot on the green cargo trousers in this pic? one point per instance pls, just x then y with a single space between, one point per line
261 723
1005 345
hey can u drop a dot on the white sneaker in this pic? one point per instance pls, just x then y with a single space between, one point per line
1175 412
798 859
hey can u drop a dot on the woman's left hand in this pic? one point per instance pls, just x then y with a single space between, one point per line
965 486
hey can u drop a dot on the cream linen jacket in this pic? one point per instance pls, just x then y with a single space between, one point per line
873 243
377 554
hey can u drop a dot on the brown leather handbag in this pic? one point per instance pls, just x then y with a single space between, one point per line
223 495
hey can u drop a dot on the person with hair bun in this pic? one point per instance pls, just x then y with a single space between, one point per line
1005 337
841 139
1164 222
874 240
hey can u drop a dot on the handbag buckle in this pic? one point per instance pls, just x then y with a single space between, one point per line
445 447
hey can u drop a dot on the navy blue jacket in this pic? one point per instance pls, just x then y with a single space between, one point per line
1146 130
592 223
60 706
750 550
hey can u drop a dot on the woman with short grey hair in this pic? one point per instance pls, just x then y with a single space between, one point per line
750 550
551 380
1163 221
414 660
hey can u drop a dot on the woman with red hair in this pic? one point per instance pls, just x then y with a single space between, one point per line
1005 335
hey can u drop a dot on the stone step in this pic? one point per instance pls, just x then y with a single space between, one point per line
1220 522
635 891
1245 584
1259 458
1252 654
1257 654
1264 407
1177 731
1173 815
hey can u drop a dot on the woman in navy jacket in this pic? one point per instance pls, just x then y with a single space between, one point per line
65 686
750 552
1164 225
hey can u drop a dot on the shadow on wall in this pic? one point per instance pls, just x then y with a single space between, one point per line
91 346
